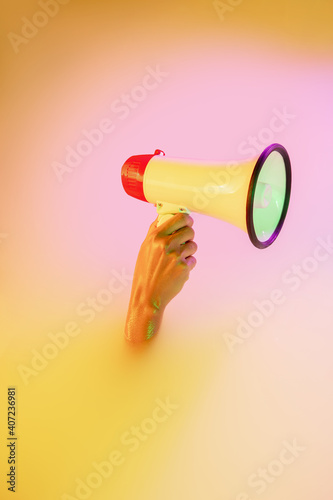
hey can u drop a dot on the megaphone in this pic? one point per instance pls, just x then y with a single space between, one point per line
252 195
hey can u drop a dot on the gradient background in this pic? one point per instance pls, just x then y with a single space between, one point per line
225 78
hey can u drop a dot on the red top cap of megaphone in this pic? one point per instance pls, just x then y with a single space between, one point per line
132 174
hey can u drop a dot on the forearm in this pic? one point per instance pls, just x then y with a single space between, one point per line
142 322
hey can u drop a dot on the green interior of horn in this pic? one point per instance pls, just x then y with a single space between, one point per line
269 196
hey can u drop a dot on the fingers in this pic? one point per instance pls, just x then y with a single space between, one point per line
189 249
181 236
191 262
179 232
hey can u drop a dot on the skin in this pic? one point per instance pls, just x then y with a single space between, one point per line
163 266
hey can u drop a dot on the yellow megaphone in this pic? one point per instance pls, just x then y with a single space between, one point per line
252 195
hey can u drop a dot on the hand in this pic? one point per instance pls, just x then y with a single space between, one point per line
163 266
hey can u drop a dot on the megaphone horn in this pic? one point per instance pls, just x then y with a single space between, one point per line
252 195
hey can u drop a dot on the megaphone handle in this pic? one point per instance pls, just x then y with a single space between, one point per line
167 210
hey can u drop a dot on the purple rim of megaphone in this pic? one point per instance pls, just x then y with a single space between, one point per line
252 188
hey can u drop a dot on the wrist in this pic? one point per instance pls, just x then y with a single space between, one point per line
145 300
143 320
